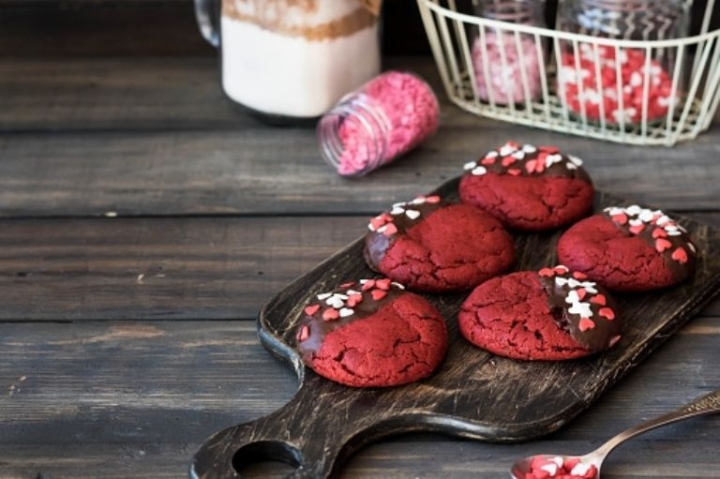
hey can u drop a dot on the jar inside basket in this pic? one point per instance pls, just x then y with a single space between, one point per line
507 65
619 85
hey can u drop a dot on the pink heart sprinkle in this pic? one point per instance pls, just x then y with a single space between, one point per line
547 272
514 172
390 229
680 255
353 300
530 166
432 199
579 275
383 283
585 324
508 160
378 294
661 244
489 160
312 309
607 313
303 334
599 299
637 229
369 284
659 233
581 293
330 314
620 218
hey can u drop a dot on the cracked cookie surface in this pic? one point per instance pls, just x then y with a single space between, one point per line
528 188
372 334
629 249
428 245
551 315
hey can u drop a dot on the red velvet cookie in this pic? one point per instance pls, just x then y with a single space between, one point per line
372 333
528 188
629 249
547 315
429 245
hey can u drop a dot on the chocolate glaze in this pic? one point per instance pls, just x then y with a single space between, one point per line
319 328
566 166
605 332
682 240
377 243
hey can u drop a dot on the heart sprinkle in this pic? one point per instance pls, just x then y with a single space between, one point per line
312 309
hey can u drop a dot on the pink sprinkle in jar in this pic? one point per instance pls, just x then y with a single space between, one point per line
370 127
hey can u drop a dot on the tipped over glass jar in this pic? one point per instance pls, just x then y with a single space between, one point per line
618 85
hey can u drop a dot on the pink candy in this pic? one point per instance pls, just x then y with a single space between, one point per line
401 110
503 81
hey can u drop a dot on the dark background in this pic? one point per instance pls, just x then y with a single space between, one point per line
31 28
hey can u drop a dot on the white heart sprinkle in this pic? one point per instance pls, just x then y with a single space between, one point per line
560 281
323 296
529 149
633 210
558 460
479 171
573 283
371 227
580 469
336 303
577 161
572 297
491 154
350 292
412 214
399 205
662 220
341 296
519 155
397 211
589 286
674 233
551 468
554 158
635 222
420 200
506 150
469 165
398 285
345 312
581 309
646 216
570 166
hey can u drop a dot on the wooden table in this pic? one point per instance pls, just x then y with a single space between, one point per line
145 222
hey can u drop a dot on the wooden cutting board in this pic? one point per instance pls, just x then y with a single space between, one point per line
474 394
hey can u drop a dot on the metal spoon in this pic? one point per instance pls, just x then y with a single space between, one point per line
708 404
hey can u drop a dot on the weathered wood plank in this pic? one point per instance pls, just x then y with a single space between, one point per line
116 400
235 172
163 268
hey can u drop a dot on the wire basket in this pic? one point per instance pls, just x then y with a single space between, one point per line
686 110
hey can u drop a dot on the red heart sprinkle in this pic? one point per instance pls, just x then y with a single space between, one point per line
303 334
378 294
369 284
547 272
347 285
312 309
514 172
353 300
390 229
579 275
508 160
489 160
585 324
680 255
330 314
661 244
581 293
599 299
607 313
530 166
620 218
432 199
637 229
383 283
548 148
659 233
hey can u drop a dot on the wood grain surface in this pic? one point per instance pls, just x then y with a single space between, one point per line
126 341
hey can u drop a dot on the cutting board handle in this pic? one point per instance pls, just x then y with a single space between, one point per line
306 433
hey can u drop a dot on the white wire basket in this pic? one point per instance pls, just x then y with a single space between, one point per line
691 84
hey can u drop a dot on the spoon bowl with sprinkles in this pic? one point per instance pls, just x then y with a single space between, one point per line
547 466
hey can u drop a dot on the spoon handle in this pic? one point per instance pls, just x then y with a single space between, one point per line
707 404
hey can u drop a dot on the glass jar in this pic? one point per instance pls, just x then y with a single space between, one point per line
620 85
289 60
382 120
507 66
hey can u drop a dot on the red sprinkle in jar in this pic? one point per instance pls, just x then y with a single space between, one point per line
383 119
624 86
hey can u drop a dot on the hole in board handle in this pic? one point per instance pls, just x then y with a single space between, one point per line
266 459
